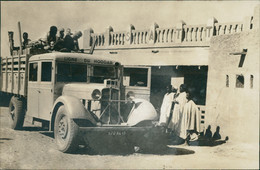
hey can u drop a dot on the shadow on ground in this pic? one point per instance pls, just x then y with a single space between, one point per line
83 150
202 141
165 151
4 139
4 99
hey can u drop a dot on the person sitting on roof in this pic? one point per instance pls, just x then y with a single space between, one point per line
51 38
75 37
25 40
60 41
68 42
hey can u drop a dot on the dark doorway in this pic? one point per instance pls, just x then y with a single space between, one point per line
197 84
194 77
158 89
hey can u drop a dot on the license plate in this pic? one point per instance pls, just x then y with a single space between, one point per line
117 133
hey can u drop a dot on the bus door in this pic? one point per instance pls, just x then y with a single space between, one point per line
46 89
33 89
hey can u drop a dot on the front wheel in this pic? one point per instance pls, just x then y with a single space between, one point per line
16 112
65 132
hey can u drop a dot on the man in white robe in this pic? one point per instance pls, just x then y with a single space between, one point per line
166 105
179 101
190 122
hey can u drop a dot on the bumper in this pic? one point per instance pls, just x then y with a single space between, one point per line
119 138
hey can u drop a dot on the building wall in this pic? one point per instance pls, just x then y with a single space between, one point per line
235 110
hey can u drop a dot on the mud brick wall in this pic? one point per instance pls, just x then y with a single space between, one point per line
229 105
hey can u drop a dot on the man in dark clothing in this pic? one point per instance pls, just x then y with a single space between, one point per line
76 36
25 40
51 38
60 41
68 42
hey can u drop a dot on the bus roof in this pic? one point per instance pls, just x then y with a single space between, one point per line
74 58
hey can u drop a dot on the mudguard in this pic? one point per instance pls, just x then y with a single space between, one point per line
142 111
75 109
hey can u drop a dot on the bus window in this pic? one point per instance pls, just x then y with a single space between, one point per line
46 71
100 73
33 71
71 72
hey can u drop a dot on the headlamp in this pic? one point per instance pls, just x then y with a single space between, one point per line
96 94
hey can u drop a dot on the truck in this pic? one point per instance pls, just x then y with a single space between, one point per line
80 97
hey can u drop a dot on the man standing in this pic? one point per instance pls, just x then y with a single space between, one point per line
166 105
179 101
190 121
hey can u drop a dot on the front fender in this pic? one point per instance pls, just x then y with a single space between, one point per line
74 107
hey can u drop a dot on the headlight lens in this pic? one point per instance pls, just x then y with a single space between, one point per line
96 94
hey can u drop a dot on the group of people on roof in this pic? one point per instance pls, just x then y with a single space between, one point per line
55 40
64 42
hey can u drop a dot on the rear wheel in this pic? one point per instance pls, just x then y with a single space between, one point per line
16 112
65 132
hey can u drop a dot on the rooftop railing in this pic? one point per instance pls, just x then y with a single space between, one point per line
181 34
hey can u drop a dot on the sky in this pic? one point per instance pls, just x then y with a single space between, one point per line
36 17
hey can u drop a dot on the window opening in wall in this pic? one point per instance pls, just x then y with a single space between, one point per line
251 81
135 76
240 81
227 81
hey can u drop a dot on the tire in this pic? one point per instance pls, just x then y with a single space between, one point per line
65 132
17 113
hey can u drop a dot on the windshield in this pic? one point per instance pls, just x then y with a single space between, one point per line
67 72
99 73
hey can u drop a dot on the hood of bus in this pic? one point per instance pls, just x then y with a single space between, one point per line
81 90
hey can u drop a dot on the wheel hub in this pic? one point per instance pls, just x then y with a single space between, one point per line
63 128
12 112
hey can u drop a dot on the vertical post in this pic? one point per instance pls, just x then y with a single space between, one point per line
152 33
256 17
108 38
26 74
180 33
87 38
210 28
12 74
20 37
6 73
246 23
129 34
19 57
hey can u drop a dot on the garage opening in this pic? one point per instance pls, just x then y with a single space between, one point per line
194 77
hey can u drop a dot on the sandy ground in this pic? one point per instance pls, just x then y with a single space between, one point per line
34 148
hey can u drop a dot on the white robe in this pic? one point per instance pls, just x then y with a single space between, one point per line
190 119
166 107
177 113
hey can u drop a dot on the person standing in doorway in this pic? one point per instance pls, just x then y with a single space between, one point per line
179 103
166 107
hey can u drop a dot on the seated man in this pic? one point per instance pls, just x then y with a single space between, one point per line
51 38
25 40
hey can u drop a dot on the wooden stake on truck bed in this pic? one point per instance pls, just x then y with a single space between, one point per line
19 57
